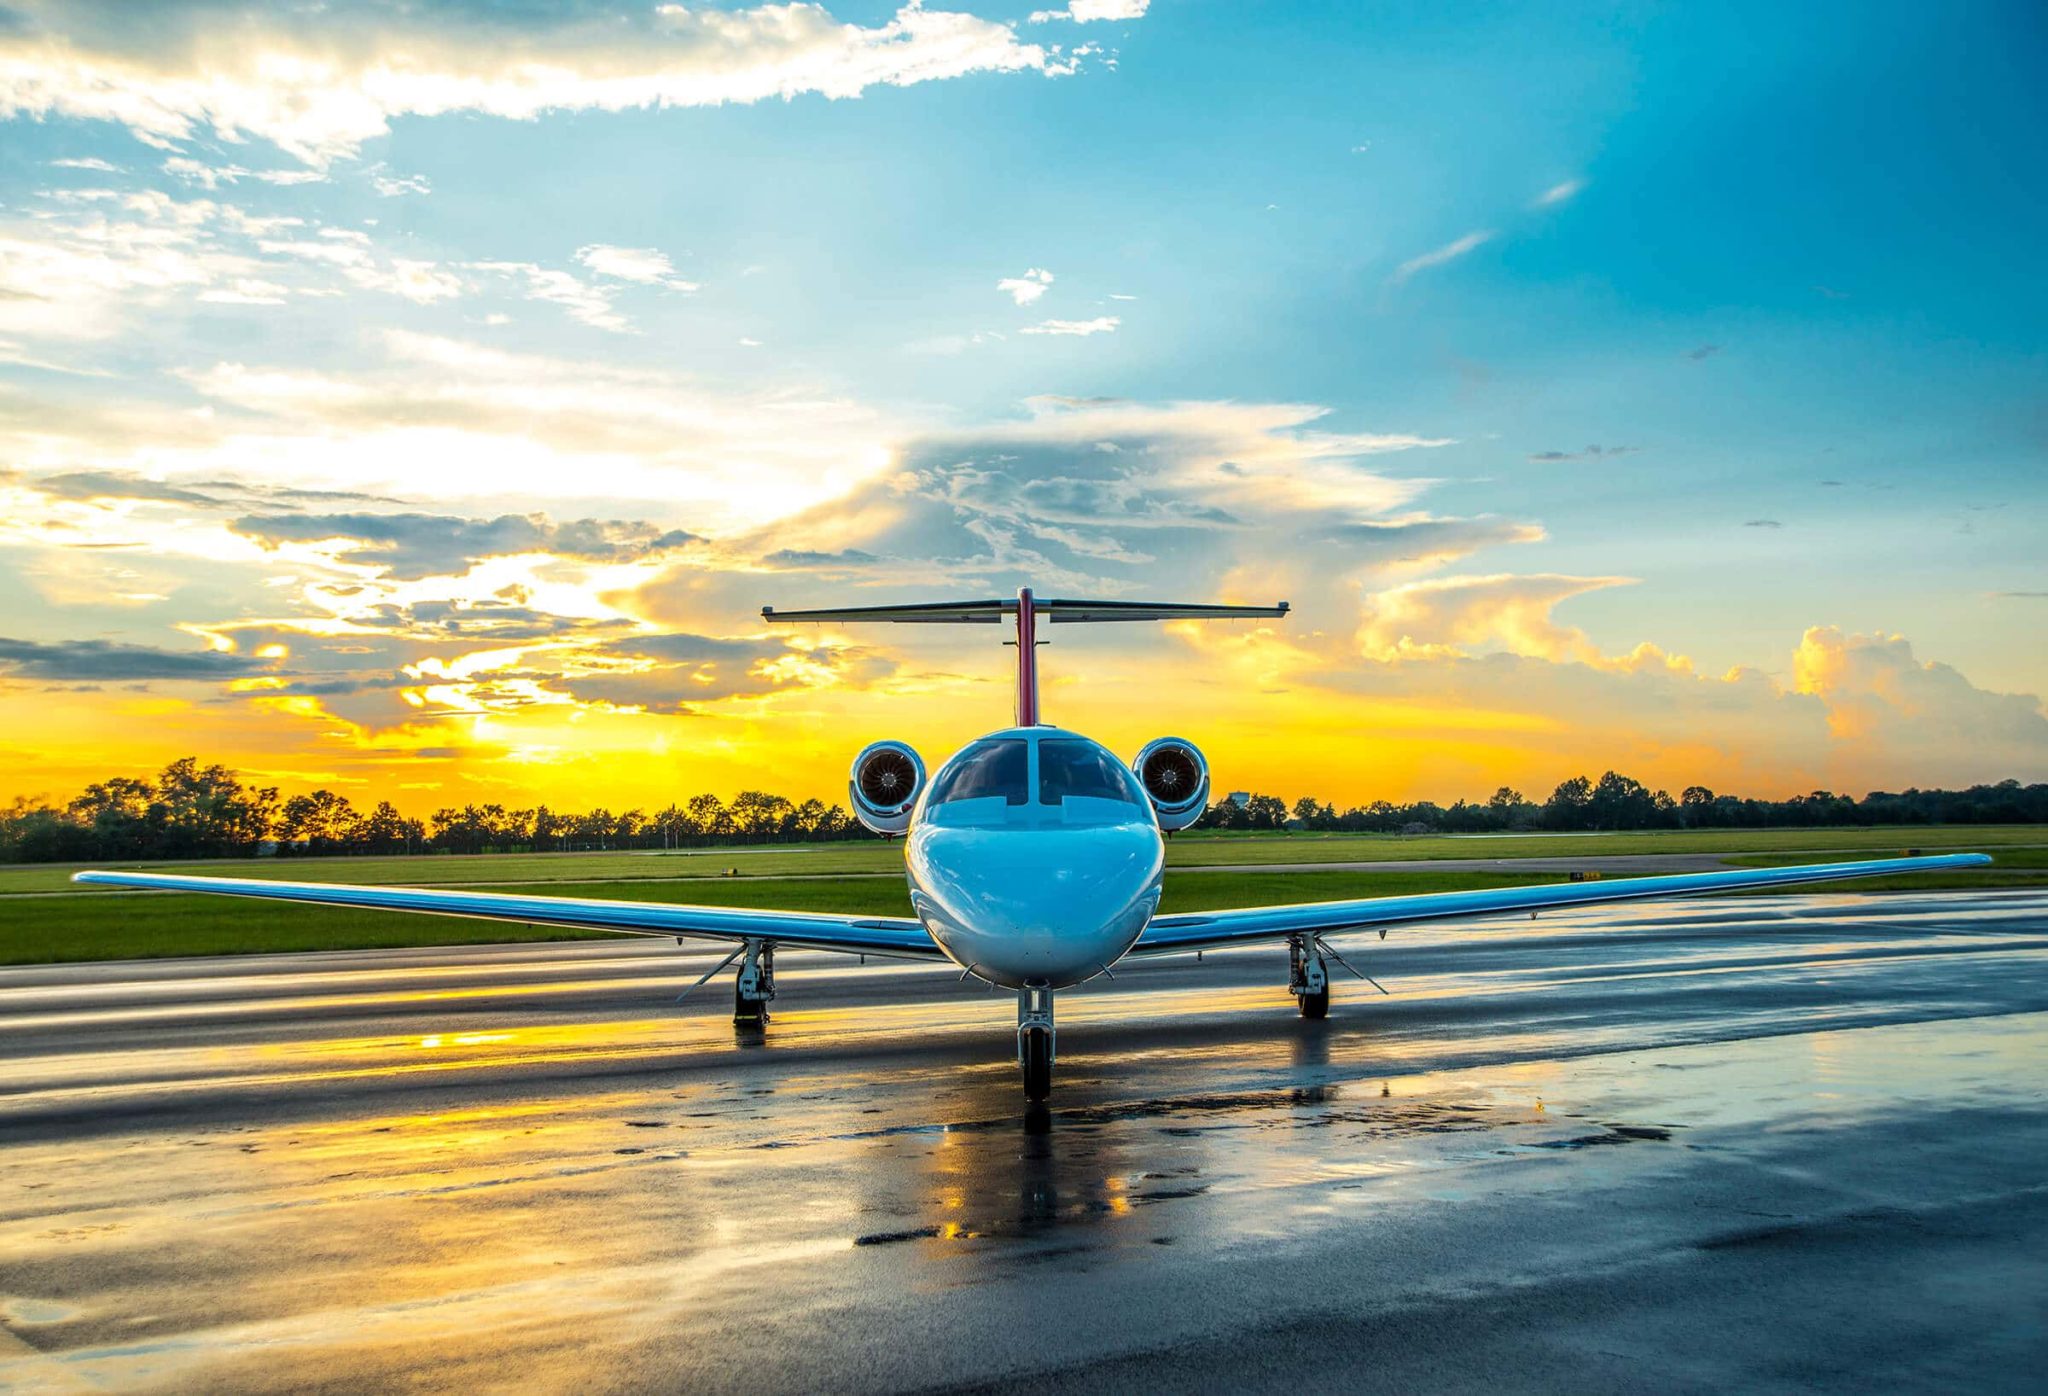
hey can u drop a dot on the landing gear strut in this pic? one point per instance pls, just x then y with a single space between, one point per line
1035 1042
755 985
1308 979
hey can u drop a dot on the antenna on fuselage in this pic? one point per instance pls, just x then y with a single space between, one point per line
1026 609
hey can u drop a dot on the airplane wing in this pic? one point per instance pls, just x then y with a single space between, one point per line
1206 930
871 935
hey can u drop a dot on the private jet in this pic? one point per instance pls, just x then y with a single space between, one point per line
1035 858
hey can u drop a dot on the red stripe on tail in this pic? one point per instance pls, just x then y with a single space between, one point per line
1027 659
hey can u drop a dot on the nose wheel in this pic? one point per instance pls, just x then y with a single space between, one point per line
1035 1042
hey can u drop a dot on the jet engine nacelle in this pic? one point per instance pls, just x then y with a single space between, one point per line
887 778
1176 779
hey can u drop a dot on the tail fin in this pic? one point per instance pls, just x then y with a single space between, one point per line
1027 608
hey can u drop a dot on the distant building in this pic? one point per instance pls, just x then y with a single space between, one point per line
1241 798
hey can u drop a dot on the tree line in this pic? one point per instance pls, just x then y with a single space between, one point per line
1616 801
194 811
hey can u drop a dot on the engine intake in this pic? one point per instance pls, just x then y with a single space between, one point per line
886 780
1176 779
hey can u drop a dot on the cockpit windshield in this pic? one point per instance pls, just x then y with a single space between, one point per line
985 771
1074 768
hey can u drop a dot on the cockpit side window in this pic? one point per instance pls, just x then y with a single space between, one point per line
1069 767
984 771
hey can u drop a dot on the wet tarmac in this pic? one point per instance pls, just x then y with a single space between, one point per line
1786 1143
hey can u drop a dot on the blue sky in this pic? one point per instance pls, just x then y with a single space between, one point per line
1705 327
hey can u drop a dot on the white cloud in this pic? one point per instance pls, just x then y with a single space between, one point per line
319 81
74 275
196 172
1448 615
1449 252
246 290
1026 288
1862 712
590 304
952 343
353 255
1911 716
1560 193
1232 500
88 162
80 269
392 186
505 430
1088 11
422 283
642 264
1101 324
213 176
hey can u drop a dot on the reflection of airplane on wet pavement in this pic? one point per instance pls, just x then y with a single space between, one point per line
1035 859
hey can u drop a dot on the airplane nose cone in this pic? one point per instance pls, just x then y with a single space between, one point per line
1041 906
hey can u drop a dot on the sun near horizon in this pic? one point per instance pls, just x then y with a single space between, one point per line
432 424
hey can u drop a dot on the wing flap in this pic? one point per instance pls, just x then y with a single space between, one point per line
881 935
1209 930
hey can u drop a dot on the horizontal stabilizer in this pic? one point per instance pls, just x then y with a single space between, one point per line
1025 609
1065 612
1059 612
923 612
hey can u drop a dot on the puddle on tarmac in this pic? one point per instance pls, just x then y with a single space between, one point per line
31 1312
1012 1178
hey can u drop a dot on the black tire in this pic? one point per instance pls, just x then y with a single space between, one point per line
746 1012
1316 1005
1037 1064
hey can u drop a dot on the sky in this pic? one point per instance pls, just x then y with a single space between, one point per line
422 400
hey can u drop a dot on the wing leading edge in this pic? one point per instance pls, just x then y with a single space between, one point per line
1212 929
871 935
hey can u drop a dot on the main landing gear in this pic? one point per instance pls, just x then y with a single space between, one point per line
755 985
1308 978
1035 1042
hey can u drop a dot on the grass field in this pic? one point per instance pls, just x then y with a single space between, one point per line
1182 851
85 924
1188 850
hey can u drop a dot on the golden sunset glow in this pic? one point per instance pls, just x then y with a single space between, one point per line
352 458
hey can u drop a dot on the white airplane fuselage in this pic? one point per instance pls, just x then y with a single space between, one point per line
1041 891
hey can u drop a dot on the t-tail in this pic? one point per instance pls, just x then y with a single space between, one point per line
1027 610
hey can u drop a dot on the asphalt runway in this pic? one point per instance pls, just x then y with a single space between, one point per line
1783 1143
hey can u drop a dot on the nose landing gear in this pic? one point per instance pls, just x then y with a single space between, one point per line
1308 978
1035 1041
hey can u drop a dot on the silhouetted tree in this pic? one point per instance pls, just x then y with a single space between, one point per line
1569 805
322 822
1266 812
190 810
